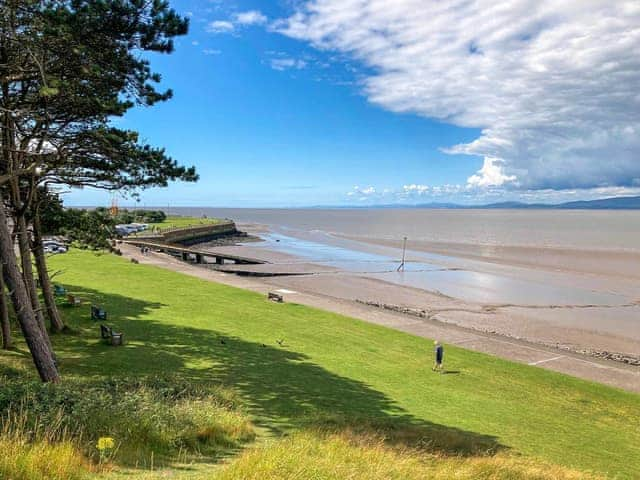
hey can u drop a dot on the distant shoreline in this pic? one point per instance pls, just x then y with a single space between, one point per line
610 203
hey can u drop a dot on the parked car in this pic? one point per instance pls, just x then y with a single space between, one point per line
140 227
125 229
51 246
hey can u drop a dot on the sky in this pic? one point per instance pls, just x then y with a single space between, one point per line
292 103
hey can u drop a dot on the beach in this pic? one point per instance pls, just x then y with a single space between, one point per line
569 279
582 302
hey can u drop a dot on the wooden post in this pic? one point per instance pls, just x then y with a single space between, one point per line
404 249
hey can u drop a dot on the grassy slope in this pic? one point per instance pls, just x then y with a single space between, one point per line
335 365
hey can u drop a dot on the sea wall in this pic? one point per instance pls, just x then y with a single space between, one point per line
193 233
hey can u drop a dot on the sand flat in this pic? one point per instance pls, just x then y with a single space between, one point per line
571 308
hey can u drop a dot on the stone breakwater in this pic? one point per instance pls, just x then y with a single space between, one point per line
432 316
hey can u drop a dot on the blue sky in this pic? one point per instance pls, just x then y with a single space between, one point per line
277 110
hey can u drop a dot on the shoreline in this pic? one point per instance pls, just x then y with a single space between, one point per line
605 355
589 312
595 369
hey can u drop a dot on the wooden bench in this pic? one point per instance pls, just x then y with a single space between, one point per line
275 297
59 290
98 313
110 336
73 300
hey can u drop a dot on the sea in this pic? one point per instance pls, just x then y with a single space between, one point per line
611 230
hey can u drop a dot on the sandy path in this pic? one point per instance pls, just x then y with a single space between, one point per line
301 290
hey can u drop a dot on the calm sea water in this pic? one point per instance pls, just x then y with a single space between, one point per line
582 229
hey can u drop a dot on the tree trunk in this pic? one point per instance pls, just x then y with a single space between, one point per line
57 325
7 341
37 340
33 334
27 269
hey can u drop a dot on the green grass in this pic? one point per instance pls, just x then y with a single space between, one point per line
333 367
175 221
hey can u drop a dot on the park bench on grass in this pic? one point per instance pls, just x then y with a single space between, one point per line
275 297
98 313
73 300
59 290
110 336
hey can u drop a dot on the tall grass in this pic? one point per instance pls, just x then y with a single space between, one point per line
325 455
152 422
34 453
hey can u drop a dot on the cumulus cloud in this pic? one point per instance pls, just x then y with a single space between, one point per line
491 174
363 194
220 26
479 194
553 86
252 17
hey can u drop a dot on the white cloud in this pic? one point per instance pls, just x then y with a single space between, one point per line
553 86
252 17
364 194
220 26
418 189
211 51
480 194
491 174
287 63
237 21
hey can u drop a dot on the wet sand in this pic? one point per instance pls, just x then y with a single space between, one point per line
618 264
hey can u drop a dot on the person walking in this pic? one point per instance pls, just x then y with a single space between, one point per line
439 351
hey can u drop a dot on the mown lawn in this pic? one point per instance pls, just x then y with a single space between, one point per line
333 368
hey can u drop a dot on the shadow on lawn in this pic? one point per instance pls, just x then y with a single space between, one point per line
284 389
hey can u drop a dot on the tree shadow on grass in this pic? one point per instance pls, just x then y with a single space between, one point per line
283 388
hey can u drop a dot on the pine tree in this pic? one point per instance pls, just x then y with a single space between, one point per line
66 68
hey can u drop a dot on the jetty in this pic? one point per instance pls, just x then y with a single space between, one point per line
176 242
190 254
